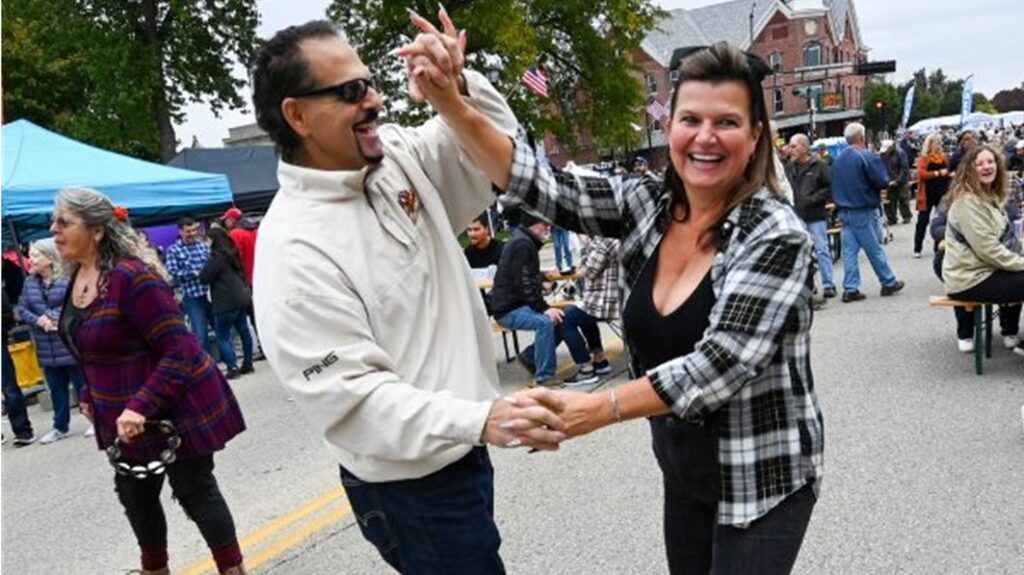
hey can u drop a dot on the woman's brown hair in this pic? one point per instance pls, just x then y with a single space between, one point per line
723 62
966 181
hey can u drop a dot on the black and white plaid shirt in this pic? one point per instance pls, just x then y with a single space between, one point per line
753 365
599 261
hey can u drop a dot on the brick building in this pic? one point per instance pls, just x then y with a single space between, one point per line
812 44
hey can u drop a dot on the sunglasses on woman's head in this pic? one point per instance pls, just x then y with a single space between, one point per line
757 65
351 92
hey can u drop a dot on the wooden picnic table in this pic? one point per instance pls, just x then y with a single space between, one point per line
555 277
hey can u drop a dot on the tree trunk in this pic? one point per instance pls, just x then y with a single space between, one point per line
162 116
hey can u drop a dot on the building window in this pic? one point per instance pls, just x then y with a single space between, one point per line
775 61
673 79
652 83
777 101
654 125
812 54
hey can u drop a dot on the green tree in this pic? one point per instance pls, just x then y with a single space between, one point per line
117 74
883 106
583 47
1009 100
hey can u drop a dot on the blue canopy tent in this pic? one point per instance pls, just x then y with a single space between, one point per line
37 163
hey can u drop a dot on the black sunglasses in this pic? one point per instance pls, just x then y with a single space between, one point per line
757 65
352 92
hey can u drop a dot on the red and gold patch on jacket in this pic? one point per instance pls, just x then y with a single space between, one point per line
410 202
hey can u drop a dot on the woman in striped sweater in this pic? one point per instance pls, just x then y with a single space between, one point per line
142 365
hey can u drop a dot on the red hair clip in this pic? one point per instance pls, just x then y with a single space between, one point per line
121 213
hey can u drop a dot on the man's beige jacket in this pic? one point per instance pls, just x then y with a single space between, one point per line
365 305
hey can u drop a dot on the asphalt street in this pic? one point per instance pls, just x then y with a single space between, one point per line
924 471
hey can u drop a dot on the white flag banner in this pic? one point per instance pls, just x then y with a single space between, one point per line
908 103
967 99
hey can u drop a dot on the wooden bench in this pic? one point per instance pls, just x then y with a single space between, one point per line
504 331
982 325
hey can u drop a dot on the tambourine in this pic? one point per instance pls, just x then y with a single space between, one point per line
157 467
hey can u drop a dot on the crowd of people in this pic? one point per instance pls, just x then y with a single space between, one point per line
372 321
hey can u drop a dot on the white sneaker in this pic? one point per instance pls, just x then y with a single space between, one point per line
965 345
1019 350
917 255
91 432
54 435
1010 341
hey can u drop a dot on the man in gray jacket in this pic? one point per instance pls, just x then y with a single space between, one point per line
366 306
812 190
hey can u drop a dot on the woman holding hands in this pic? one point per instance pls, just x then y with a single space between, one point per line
717 309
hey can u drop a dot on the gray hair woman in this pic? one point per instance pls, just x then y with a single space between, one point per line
143 366
40 305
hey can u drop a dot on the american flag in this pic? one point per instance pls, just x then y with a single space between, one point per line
656 109
536 81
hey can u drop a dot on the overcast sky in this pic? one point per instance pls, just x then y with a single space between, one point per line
980 37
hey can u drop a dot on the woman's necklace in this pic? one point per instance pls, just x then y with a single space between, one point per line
84 296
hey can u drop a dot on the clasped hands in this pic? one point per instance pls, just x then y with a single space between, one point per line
434 62
543 418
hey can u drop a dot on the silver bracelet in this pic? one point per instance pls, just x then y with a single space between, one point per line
615 405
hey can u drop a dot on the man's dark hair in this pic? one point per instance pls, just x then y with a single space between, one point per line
185 222
482 220
281 70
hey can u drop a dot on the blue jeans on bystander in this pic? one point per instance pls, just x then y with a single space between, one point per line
819 233
860 231
222 325
199 313
57 380
547 335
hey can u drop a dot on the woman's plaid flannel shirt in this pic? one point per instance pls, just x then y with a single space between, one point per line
753 364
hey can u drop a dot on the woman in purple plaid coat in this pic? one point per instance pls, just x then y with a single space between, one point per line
142 364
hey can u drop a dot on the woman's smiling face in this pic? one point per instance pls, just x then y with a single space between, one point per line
711 135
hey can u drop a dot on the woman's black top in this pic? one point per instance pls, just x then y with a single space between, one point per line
655 339
71 320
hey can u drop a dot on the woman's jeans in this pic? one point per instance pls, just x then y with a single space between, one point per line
923 218
687 452
57 380
222 325
439 524
195 488
563 253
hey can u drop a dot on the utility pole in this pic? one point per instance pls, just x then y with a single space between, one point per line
752 6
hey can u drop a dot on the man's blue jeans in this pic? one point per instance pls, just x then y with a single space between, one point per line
439 524
563 253
222 324
14 400
819 233
860 231
199 312
57 380
546 337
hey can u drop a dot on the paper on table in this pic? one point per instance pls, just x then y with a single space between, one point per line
486 273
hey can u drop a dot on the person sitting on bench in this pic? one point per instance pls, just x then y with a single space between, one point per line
517 302
983 260
600 267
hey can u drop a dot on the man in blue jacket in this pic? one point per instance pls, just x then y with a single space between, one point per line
858 176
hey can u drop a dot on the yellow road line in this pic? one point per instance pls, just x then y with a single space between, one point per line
298 536
272 528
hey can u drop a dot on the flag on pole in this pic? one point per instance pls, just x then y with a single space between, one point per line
656 109
967 99
536 81
908 103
